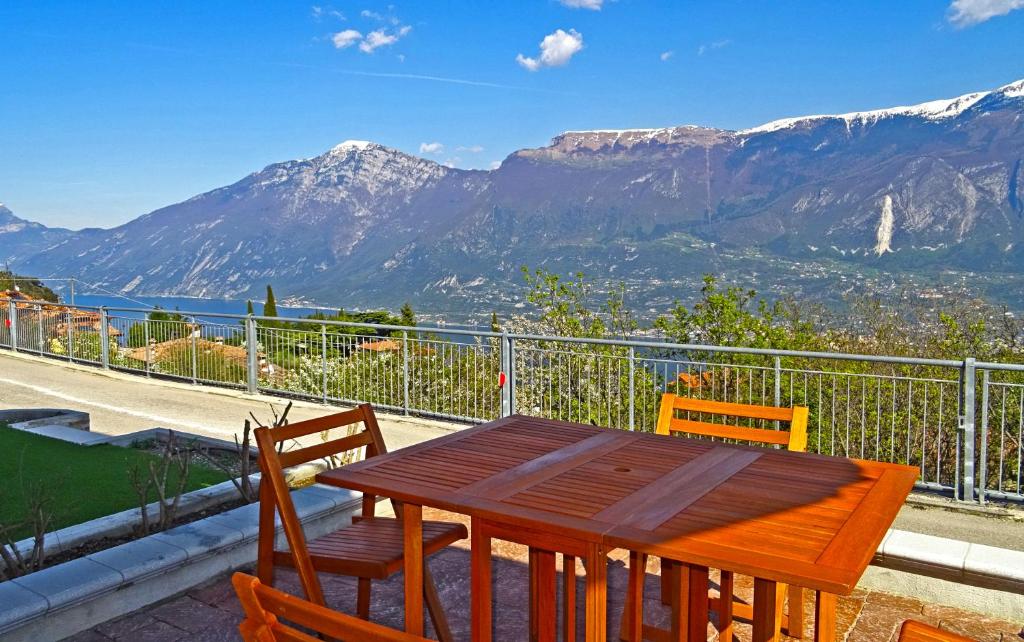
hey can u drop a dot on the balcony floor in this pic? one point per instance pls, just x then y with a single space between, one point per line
211 612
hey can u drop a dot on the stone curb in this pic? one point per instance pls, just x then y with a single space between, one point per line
110 583
987 567
126 521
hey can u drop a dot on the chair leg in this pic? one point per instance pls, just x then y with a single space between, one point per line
795 626
434 607
363 598
726 585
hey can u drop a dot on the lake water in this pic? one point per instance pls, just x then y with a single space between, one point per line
185 304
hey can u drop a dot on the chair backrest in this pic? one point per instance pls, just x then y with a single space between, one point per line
913 631
274 492
793 439
263 606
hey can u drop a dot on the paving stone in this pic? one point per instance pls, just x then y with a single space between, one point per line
192 615
978 627
156 632
878 623
121 627
899 602
87 636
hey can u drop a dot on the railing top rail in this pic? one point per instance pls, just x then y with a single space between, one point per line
693 347
992 365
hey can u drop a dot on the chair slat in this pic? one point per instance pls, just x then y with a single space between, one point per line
262 603
327 448
726 431
913 631
318 424
732 409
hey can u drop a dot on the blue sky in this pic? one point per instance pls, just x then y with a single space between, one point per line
109 110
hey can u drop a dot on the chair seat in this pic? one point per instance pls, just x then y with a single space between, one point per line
372 547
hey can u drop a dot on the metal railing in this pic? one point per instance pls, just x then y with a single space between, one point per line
960 421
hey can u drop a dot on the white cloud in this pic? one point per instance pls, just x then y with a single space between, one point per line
452 162
718 44
319 13
665 55
346 38
472 149
495 164
556 49
593 5
381 38
966 13
431 148
373 15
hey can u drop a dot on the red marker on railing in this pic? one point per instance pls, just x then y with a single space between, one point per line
501 379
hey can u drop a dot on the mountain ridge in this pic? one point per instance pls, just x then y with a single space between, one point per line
934 185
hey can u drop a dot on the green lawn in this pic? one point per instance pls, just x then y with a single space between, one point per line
86 481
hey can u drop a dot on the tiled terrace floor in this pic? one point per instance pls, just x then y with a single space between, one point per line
211 612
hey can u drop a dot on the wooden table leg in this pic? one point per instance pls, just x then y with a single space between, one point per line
698 603
568 598
725 621
795 621
412 521
767 599
824 617
546 605
597 593
480 582
532 596
632 627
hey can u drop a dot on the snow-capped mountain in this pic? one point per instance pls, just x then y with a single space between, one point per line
935 185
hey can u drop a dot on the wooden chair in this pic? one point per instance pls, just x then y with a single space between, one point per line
263 606
913 631
371 548
693 411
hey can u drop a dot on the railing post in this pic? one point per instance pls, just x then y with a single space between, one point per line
192 332
39 327
104 340
503 366
405 372
632 384
323 359
71 337
145 338
778 381
983 457
252 369
511 376
967 426
12 318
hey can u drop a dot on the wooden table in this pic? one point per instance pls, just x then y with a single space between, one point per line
798 518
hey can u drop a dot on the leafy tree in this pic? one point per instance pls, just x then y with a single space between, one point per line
163 326
270 305
495 326
407 316
29 287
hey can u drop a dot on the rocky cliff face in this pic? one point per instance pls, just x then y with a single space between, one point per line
923 187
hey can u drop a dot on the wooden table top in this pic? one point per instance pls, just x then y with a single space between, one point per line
799 518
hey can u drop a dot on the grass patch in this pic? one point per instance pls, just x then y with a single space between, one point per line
86 481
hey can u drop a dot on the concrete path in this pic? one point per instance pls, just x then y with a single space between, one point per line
120 403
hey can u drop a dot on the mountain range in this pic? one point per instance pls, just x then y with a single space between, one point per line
814 205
